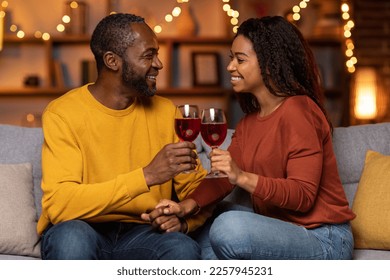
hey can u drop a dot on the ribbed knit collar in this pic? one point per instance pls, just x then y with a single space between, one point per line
91 100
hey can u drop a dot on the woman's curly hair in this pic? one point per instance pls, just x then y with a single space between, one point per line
286 61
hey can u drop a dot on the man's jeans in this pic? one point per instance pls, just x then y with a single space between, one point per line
78 240
242 234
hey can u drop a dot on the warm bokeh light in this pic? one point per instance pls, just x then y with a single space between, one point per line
13 28
4 4
168 18
351 24
347 34
60 27
38 34
349 53
365 94
296 9
345 16
157 29
74 5
176 11
226 7
234 21
351 69
66 19
46 36
345 7
20 34
303 4
30 117
296 16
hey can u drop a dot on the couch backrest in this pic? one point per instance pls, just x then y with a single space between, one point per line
20 145
351 145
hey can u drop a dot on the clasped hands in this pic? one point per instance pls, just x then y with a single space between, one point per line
168 215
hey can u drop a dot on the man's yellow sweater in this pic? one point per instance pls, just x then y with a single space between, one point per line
92 160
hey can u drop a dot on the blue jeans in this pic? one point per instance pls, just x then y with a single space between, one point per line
242 234
79 240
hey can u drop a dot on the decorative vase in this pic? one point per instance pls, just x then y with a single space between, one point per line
186 23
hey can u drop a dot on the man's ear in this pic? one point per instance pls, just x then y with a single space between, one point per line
112 60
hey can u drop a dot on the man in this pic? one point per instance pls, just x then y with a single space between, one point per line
110 154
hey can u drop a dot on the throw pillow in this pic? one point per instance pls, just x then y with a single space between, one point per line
18 234
371 227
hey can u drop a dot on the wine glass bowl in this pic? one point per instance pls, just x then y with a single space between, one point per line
213 130
187 123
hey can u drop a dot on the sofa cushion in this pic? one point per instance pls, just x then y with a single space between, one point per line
23 144
18 234
350 146
371 227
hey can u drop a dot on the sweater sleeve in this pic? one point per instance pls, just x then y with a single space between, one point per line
65 196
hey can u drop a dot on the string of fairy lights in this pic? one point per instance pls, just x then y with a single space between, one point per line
176 12
296 9
348 23
66 19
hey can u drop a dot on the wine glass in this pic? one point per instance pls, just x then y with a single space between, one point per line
213 130
187 124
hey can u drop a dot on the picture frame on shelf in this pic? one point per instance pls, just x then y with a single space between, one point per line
205 69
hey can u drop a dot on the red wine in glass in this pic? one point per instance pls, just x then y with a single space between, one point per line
187 124
187 129
214 133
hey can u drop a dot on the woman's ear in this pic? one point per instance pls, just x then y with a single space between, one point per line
111 60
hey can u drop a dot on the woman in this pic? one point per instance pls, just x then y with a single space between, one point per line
281 153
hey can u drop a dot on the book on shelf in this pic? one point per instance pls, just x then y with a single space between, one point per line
58 79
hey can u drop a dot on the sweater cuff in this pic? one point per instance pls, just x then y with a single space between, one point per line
134 182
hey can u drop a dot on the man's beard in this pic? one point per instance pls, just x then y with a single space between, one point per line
135 81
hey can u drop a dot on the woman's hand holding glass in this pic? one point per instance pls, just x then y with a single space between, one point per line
221 161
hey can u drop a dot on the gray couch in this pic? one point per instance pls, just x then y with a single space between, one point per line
20 145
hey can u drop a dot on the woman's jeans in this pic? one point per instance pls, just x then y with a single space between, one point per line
78 240
242 234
